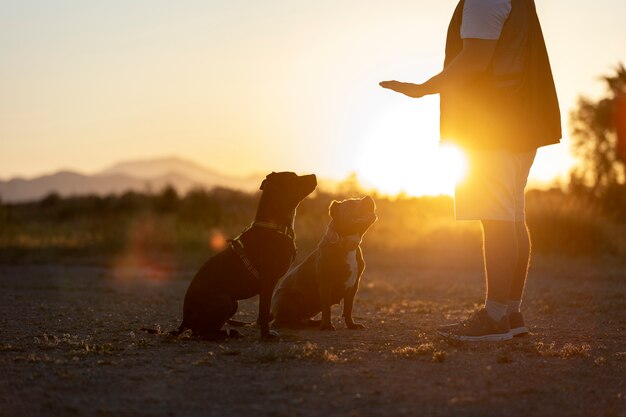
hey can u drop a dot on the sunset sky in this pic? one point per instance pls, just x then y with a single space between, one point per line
254 86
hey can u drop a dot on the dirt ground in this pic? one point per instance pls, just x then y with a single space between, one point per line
71 344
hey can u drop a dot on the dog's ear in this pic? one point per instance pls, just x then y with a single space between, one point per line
333 209
268 177
370 202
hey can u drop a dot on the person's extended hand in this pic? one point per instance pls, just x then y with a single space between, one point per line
408 89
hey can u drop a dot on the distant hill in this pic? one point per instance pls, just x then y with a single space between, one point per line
182 174
141 175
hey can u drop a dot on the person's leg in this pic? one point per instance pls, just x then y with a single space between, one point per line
488 194
500 248
523 164
516 319
521 266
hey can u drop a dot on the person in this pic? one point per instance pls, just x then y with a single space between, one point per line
498 103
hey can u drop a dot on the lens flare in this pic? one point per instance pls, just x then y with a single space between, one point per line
140 263
217 240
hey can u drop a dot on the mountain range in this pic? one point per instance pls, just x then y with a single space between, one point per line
139 175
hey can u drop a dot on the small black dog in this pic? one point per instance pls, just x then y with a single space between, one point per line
330 274
252 264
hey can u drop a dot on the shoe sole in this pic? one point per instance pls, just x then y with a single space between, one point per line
519 331
501 337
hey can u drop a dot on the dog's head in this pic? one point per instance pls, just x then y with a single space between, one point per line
353 216
286 189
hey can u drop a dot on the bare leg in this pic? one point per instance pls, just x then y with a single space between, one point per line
500 257
523 258
501 253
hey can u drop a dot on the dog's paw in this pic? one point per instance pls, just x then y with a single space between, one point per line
270 335
327 326
234 334
355 326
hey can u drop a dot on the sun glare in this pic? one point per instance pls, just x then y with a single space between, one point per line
401 154
454 159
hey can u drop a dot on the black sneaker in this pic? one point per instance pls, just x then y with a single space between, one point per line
478 327
516 321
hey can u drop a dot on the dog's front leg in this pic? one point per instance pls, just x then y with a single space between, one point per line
324 290
265 300
348 302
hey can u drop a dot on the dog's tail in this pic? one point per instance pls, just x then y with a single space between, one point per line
238 323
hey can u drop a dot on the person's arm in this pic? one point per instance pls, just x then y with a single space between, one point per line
471 62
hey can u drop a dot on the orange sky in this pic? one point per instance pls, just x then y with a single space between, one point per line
252 87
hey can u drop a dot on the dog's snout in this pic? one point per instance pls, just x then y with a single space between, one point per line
310 181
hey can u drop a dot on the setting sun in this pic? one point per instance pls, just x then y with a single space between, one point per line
402 154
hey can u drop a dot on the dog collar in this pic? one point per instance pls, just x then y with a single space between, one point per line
283 230
333 237
287 230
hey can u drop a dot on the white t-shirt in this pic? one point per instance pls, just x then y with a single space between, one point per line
483 19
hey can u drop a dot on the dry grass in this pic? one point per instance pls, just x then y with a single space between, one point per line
424 349
73 344
419 350
138 230
567 350
281 352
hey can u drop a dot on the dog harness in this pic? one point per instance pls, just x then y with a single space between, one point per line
283 230
237 245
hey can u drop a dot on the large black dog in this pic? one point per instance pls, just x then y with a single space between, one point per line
252 264
330 274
